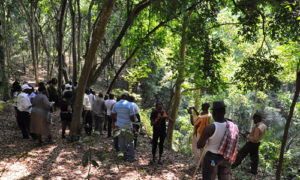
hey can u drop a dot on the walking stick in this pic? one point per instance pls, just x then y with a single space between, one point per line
199 162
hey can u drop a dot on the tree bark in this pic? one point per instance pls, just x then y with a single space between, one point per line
95 73
59 45
96 39
74 78
287 126
176 100
78 42
32 35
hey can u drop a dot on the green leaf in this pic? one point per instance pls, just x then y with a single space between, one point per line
120 154
85 159
298 18
117 133
94 163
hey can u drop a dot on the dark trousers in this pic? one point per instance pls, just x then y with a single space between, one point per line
23 119
105 124
161 136
66 119
116 143
87 121
220 168
248 148
98 123
109 122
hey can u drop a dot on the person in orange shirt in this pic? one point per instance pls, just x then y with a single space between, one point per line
199 123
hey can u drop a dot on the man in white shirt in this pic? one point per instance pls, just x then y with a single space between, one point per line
23 111
87 114
91 97
108 103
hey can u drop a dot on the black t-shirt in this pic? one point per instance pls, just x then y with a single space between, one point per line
160 125
64 105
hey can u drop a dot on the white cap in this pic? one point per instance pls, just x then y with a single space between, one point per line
26 86
68 85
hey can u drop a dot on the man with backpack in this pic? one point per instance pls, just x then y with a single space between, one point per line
221 146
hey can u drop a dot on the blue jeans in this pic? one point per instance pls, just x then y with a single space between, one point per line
126 147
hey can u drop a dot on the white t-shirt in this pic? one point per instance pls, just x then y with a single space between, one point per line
91 98
86 103
23 102
214 141
108 104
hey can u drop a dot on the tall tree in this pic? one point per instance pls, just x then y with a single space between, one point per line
97 36
30 16
60 35
74 50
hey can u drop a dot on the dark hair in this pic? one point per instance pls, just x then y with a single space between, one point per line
205 106
258 116
42 89
100 94
111 96
87 91
131 99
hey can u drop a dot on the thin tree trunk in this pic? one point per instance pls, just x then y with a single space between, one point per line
95 73
176 100
74 54
133 53
77 65
30 21
96 39
60 36
287 126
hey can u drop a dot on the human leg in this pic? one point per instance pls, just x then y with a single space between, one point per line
209 172
154 144
241 155
254 156
108 121
224 170
161 145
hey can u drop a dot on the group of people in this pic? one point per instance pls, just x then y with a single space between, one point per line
218 140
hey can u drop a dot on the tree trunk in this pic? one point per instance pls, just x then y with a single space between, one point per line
73 41
287 126
176 100
59 45
133 53
95 73
77 65
32 36
96 39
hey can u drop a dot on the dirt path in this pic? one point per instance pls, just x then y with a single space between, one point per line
23 159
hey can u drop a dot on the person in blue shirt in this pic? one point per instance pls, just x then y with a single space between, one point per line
123 115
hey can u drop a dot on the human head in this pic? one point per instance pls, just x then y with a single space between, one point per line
26 88
257 117
131 99
205 107
159 106
125 96
218 110
54 81
42 89
100 95
111 96
87 91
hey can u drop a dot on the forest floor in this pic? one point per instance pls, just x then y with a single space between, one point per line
25 159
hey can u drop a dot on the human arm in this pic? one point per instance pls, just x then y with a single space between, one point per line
253 136
207 133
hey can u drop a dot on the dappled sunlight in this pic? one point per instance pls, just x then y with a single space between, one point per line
14 170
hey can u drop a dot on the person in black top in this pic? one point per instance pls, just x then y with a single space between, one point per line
66 112
158 121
